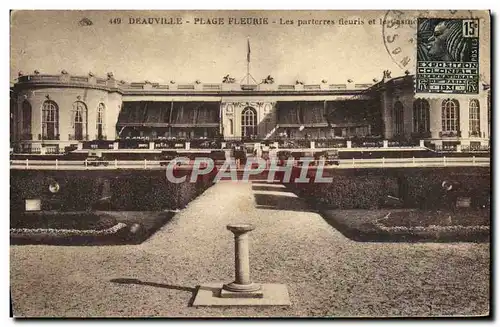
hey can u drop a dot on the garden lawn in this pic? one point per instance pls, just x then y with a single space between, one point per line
326 273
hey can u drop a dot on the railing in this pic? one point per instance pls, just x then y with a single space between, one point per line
56 137
156 164
170 144
368 144
475 148
402 143
211 87
29 150
285 87
99 145
295 144
80 79
362 86
52 150
445 148
338 86
312 87
248 87
450 134
205 144
72 137
185 87
417 162
332 143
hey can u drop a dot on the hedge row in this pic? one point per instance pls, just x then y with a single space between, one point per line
131 192
414 190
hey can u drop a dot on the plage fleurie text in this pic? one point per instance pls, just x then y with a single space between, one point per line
254 21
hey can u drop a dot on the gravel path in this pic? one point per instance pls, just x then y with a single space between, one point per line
326 273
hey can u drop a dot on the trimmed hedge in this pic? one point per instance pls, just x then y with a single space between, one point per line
369 189
362 192
122 191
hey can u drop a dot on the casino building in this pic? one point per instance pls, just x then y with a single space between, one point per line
51 112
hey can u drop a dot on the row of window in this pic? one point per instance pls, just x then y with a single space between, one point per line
50 120
421 118
450 116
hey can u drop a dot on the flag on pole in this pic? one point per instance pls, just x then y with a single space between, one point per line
248 50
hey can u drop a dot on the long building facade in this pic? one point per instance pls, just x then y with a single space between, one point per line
57 111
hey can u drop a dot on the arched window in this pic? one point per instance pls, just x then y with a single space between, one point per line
26 121
450 115
474 121
421 118
79 120
50 120
100 121
398 118
248 122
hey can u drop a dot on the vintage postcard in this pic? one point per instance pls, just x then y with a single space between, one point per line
226 164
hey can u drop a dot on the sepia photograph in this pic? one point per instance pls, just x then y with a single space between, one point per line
250 164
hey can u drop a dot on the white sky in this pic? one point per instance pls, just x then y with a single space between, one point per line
53 40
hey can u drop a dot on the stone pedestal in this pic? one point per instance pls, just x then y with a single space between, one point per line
349 144
422 143
242 291
242 287
385 143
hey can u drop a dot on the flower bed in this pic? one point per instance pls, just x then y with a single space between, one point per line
67 232
436 219
69 236
131 227
372 226
53 220
52 227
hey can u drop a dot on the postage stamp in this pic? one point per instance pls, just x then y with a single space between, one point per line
447 56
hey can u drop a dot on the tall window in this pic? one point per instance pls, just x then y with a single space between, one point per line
421 119
474 122
26 121
79 120
450 114
398 118
100 121
50 120
248 122
231 127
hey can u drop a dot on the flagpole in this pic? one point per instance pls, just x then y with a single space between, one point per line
248 60
248 76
